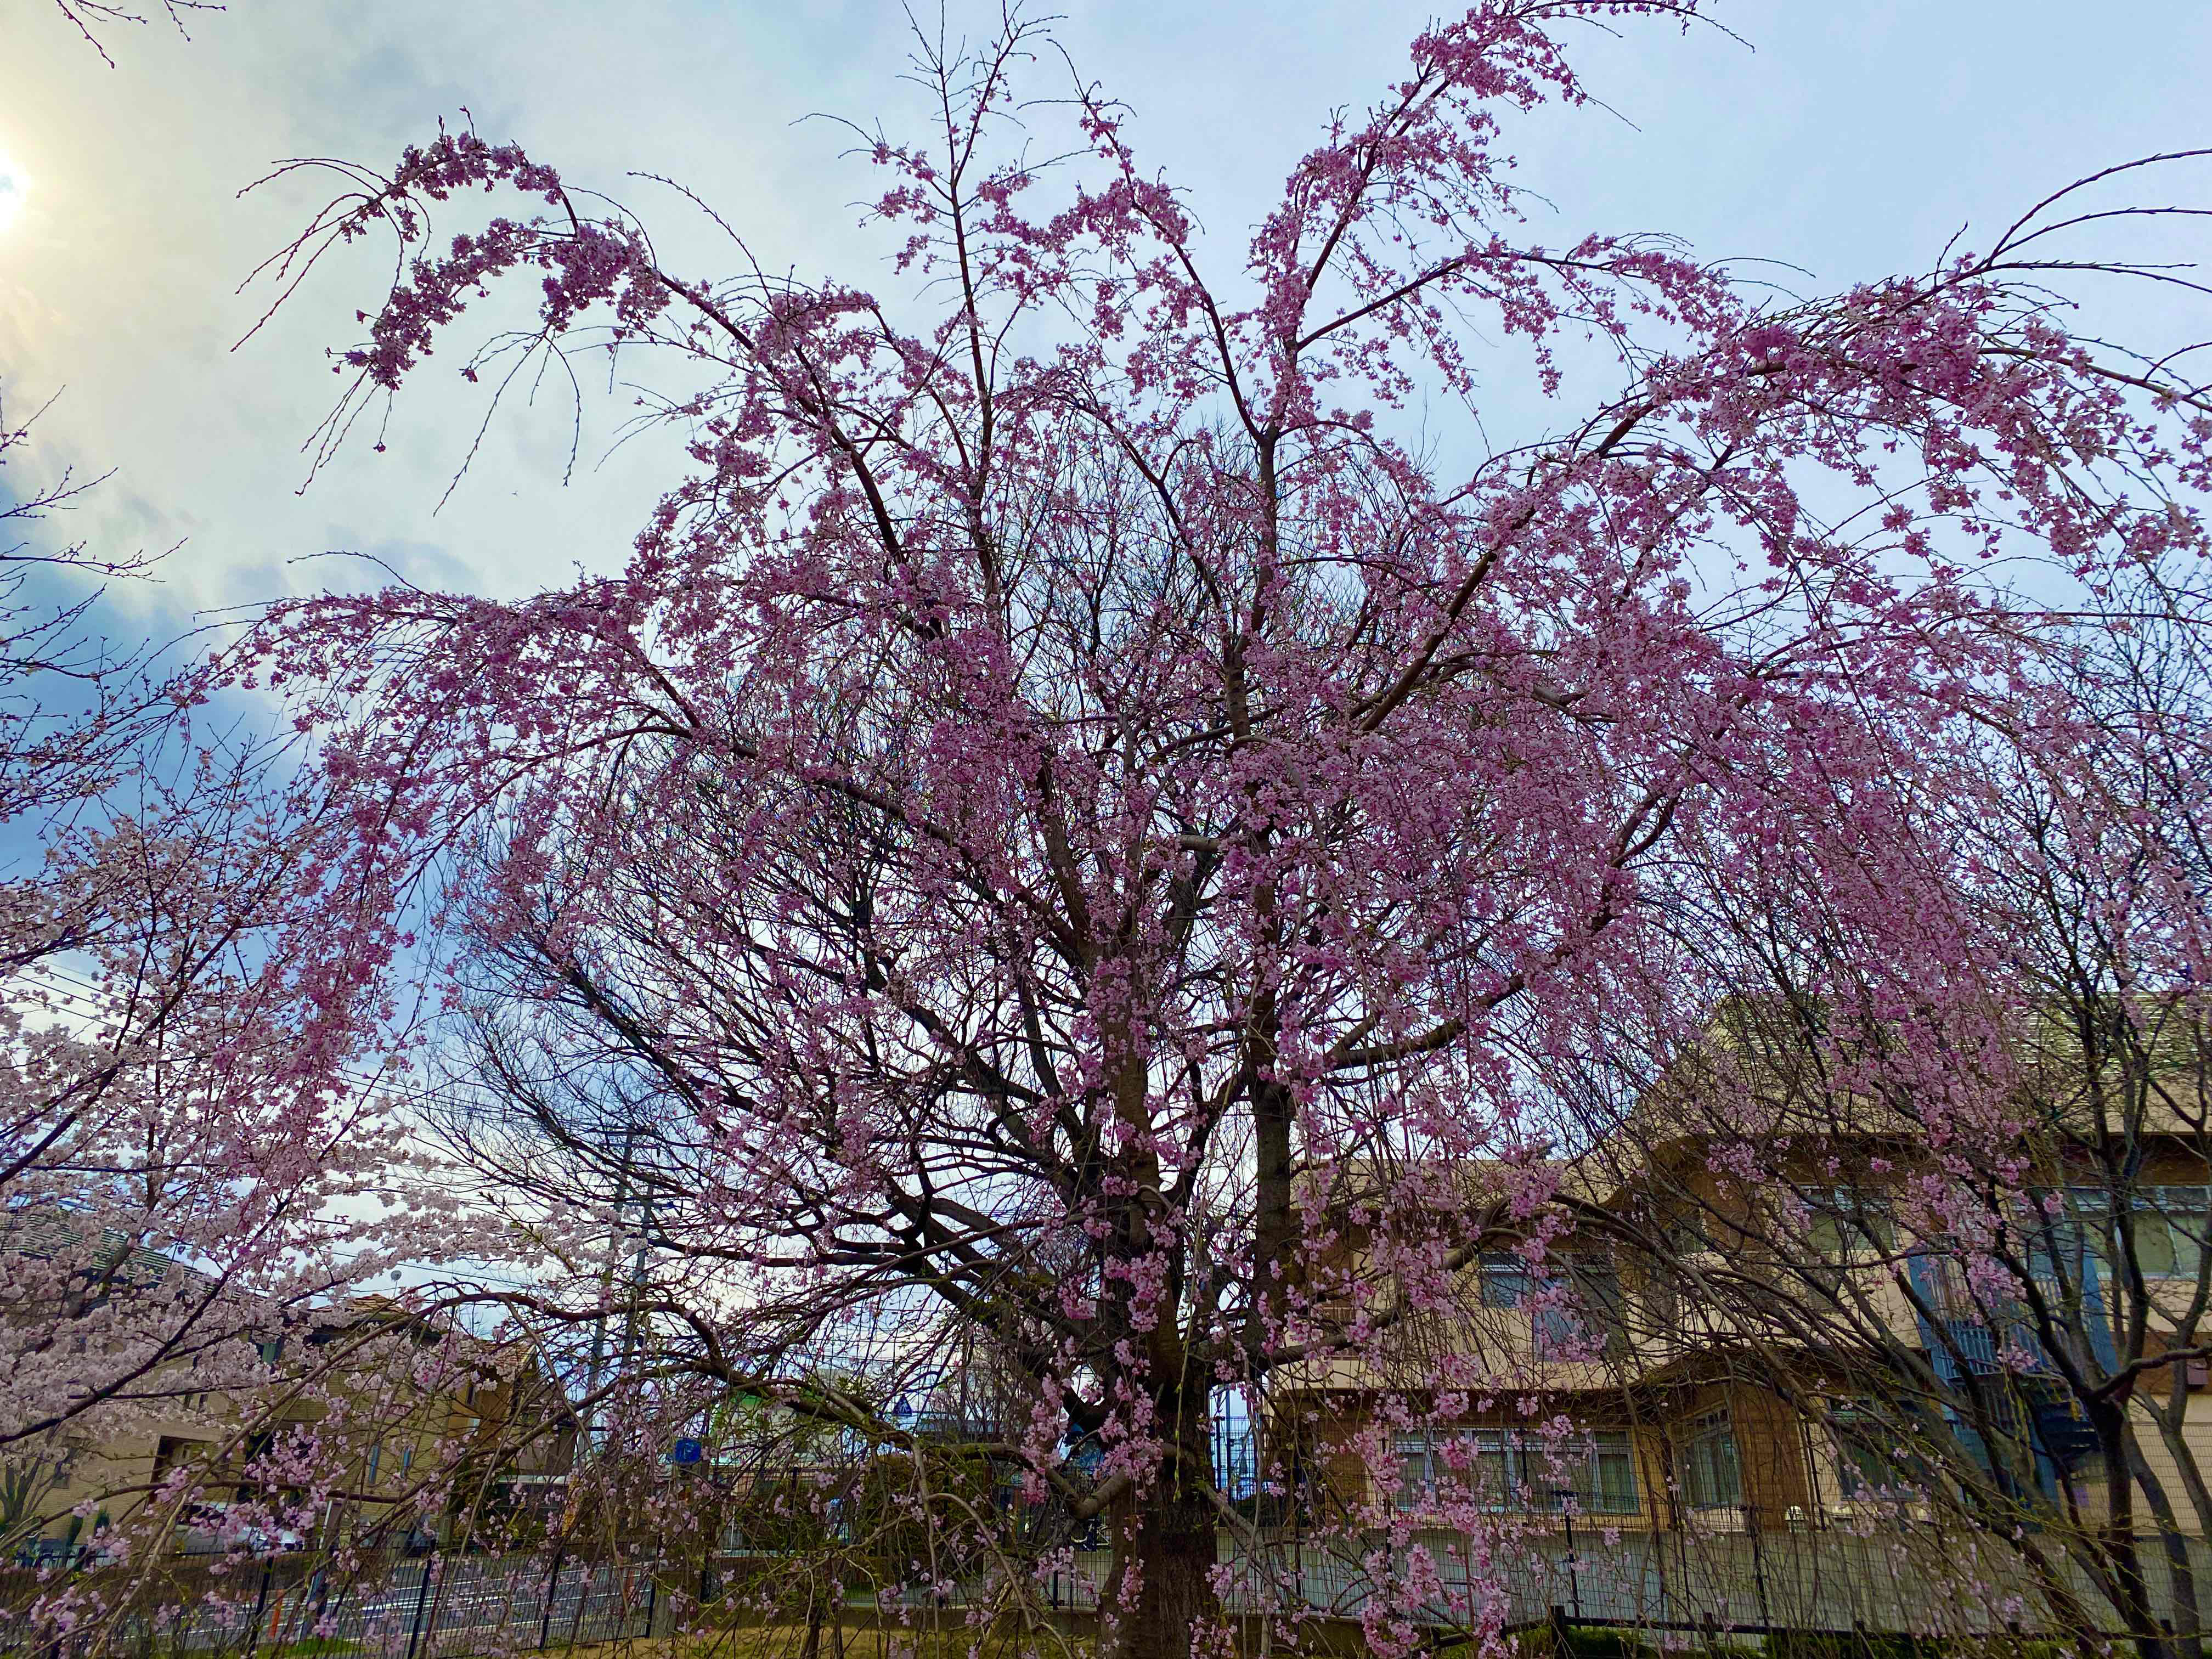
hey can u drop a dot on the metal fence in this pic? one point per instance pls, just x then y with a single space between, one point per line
1899 1581
427 1606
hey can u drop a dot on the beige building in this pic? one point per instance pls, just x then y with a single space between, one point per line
411 1407
1734 1354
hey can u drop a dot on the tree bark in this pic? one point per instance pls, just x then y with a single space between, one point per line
2120 1546
1163 1538
1168 1545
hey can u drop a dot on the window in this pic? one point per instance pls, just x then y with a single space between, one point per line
1949 1293
168 1452
1514 1469
1711 1477
1493 1469
2167 1228
1860 1467
1843 1221
1559 1333
1505 1282
1453 1463
1615 1467
1591 1473
254 1453
1586 1319
1868 1458
1417 1471
1686 1233
1597 1284
2169 1231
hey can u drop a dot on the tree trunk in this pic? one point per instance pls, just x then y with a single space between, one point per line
2187 1621
1163 1539
1160 1601
2120 1547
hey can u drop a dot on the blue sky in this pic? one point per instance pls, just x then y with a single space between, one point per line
1852 139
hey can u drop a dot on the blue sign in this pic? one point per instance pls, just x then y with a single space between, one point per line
686 1451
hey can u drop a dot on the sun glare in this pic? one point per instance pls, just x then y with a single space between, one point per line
13 187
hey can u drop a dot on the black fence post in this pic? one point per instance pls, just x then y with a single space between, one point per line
422 1601
552 1592
260 1601
1574 1579
1758 1569
1563 1640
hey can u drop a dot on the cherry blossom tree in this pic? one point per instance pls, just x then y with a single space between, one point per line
201 1163
189 1163
1073 782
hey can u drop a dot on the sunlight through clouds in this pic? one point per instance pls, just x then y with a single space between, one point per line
14 191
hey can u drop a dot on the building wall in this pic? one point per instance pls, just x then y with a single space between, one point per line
395 1439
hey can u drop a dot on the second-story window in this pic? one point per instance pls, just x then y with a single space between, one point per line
1847 1221
1559 1333
1584 1320
1505 1280
2167 1228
